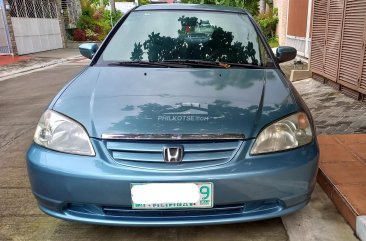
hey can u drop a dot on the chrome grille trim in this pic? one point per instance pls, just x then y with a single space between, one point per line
157 147
157 157
166 137
211 151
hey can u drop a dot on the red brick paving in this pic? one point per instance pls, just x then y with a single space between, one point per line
342 173
4 60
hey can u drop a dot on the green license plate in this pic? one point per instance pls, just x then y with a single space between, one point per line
171 195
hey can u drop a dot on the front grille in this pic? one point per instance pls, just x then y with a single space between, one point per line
128 212
248 209
152 152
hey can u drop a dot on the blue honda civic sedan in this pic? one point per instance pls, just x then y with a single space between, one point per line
183 117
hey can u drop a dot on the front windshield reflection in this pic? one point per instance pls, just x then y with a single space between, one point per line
175 35
197 40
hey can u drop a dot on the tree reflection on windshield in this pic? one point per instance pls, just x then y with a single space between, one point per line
197 40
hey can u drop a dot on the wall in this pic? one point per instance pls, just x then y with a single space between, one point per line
71 11
282 6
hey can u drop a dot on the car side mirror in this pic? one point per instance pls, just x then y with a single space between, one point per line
285 53
88 50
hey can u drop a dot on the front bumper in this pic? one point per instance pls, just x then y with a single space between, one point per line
95 190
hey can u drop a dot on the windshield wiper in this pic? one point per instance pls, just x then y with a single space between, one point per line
145 64
195 63
249 66
205 63
182 63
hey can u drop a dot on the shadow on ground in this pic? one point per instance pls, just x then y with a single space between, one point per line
46 228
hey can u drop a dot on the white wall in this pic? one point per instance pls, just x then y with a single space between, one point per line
123 6
281 30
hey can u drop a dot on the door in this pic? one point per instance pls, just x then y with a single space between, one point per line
333 38
318 39
352 47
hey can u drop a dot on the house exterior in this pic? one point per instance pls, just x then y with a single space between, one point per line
30 26
338 53
332 35
294 27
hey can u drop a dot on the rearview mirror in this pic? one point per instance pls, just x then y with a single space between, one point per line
285 53
88 50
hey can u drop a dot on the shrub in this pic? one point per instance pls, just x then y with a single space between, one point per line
79 35
91 35
268 22
273 42
85 22
94 23
115 17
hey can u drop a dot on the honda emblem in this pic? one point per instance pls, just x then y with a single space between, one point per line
173 153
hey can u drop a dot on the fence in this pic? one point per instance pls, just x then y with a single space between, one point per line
33 9
338 54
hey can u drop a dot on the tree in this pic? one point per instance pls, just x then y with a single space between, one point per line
100 3
113 6
268 22
262 6
137 52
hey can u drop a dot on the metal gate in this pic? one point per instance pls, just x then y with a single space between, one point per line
4 32
36 25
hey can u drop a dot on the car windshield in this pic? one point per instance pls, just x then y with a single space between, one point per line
181 36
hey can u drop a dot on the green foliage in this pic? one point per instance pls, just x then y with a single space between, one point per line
115 16
270 3
97 2
268 22
250 5
144 2
95 22
273 42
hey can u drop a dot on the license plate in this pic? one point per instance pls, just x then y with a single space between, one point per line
171 195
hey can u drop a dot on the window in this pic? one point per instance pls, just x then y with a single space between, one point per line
194 35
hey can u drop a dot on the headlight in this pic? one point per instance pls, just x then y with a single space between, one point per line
60 133
288 133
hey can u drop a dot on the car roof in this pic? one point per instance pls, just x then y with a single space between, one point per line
190 7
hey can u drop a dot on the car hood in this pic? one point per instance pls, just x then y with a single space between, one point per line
123 100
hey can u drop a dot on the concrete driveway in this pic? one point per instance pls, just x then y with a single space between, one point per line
22 101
